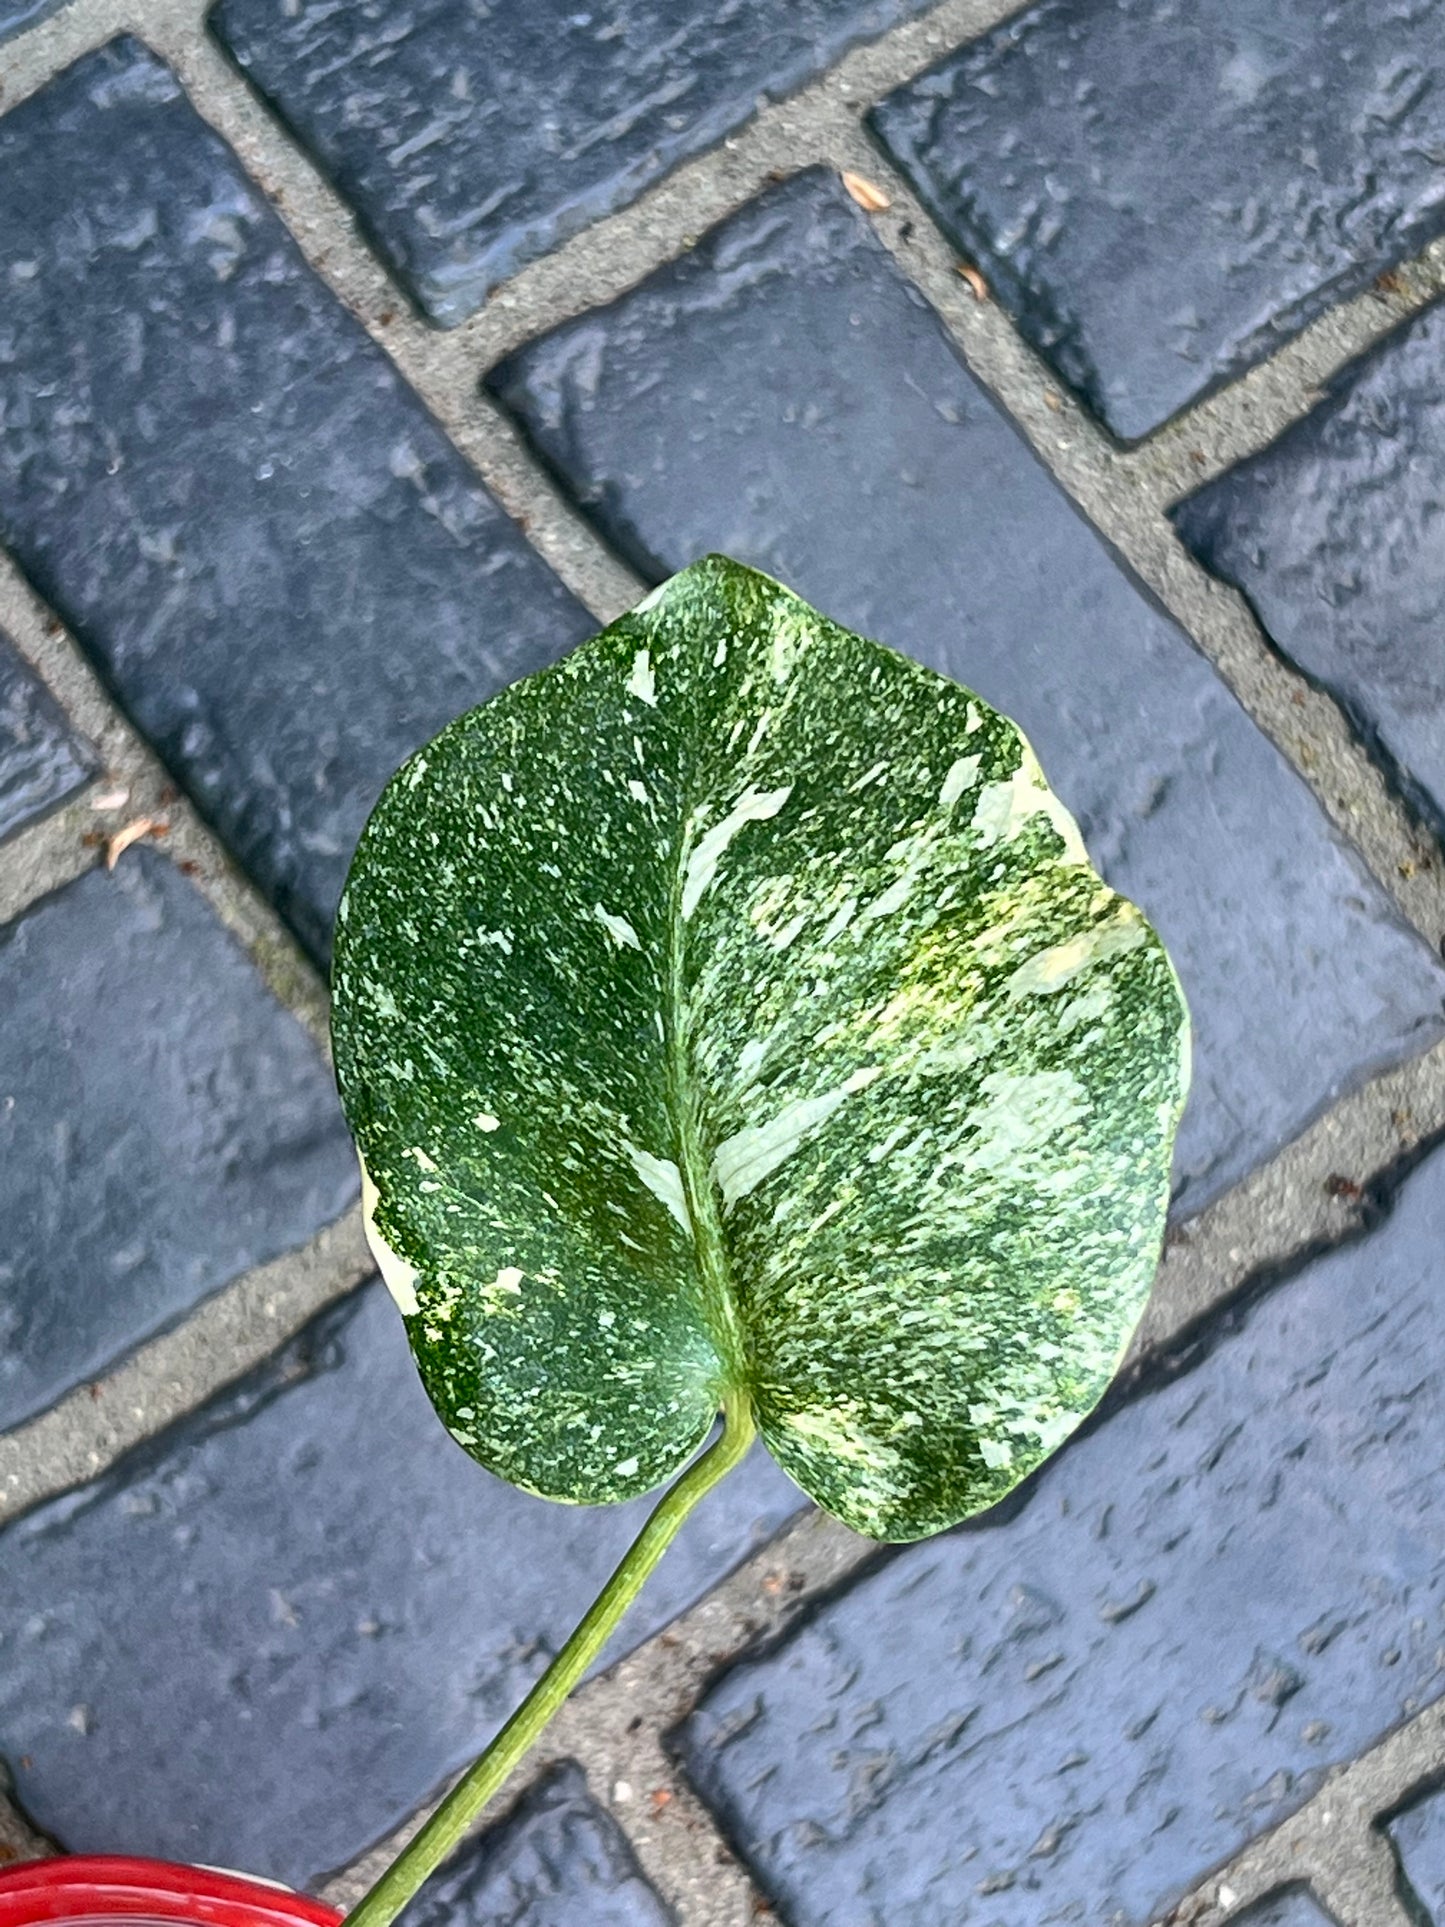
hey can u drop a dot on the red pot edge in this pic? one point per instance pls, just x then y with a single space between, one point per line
76 1886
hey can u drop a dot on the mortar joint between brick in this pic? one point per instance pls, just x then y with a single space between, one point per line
831 134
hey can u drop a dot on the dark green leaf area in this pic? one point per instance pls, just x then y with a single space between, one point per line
500 1049
734 1005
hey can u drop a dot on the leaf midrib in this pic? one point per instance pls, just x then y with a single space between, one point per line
719 1305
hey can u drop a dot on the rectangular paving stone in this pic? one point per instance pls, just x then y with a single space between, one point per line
1073 1712
1418 1836
472 139
781 394
287 573
43 761
1334 533
264 1638
1161 196
164 1124
557 1860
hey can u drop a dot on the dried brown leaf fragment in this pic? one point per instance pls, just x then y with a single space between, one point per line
869 196
132 832
977 286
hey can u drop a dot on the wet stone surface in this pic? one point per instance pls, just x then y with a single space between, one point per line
1161 197
780 393
164 1124
1232 1583
288 574
339 1588
42 760
1334 534
1418 1835
473 138
556 1860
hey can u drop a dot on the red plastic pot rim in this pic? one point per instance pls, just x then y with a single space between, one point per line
97 1887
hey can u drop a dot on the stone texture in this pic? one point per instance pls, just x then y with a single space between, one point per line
472 138
1293 1907
781 394
557 1860
1074 1710
1334 534
164 1124
17 15
262 1639
287 573
42 760
1160 197
1419 1839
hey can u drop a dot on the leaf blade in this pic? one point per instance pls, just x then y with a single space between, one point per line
823 1019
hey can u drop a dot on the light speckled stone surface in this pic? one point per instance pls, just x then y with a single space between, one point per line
1162 196
1334 532
782 395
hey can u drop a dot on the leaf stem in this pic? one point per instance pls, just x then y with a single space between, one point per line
385 1900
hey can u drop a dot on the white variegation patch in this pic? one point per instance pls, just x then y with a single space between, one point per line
742 1161
641 682
664 1181
397 1275
618 928
1003 809
753 806
962 775
1049 970
1022 1113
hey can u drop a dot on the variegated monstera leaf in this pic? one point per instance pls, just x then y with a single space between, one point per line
733 1007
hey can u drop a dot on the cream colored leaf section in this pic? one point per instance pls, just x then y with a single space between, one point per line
1049 970
1004 808
753 806
618 928
742 1161
399 1277
664 1181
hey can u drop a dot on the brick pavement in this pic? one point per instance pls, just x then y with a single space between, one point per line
265 525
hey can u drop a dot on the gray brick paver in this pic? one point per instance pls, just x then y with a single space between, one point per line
1295 1908
1418 1835
281 565
17 15
1073 1713
346 1604
1334 533
1160 195
165 1125
472 139
557 1860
